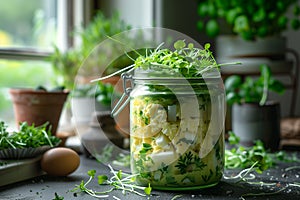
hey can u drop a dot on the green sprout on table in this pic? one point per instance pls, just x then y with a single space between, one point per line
118 181
241 157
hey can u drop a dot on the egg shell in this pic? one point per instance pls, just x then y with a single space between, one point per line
60 161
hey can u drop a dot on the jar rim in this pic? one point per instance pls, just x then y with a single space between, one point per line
149 75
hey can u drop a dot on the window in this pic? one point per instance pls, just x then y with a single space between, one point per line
28 32
30 24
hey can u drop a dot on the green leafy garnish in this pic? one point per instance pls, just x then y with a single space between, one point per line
27 136
187 61
148 189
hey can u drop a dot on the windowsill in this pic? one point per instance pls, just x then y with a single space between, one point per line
23 54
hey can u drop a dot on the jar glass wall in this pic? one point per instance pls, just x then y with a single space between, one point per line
177 131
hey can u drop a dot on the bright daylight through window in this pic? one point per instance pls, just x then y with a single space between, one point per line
28 31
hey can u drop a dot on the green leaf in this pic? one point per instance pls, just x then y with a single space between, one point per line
241 24
232 14
212 28
91 173
232 97
202 9
119 174
191 46
146 147
102 179
265 71
295 23
179 44
148 189
207 46
233 139
233 82
277 86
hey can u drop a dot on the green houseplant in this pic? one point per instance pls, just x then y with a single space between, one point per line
98 30
66 64
253 115
248 19
88 98
252 90
250 32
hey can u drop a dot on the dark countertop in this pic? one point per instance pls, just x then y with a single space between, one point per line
44 187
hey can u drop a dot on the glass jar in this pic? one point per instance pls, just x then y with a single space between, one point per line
177 130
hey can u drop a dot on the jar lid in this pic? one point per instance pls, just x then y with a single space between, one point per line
155 72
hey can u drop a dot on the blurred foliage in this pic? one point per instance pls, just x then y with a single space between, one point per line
248 19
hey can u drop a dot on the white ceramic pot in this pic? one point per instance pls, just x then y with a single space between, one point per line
82 109
270 51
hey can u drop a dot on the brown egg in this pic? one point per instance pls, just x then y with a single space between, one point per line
60 161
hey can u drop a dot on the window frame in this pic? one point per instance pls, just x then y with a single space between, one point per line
71 14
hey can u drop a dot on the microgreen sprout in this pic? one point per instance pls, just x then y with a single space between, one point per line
244 157
244 175
186 60
82 187
259 159
261 194
28 136
177 196
118 181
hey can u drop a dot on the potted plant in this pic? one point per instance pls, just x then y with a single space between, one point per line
249 31
82 102
68 64
90 98
65 65
98 30
104 92
253 115
38 106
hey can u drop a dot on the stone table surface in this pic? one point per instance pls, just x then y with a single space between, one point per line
281 182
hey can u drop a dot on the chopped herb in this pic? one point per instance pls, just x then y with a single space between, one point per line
189 162
146 147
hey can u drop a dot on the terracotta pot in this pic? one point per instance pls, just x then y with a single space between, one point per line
38 107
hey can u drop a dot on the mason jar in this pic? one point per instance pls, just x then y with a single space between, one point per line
177 130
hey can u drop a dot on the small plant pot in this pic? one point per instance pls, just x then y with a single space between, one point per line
38 107
251 122
83 109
